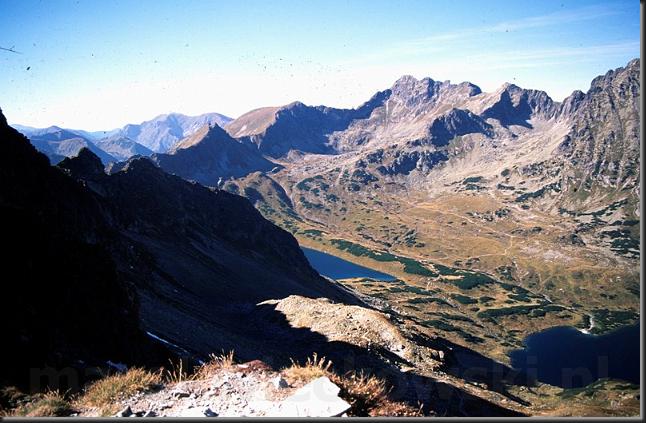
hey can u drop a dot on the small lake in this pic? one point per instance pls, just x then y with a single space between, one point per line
565 357
336 268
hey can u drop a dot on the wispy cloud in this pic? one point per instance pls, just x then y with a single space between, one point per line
552 19
539 57
447 41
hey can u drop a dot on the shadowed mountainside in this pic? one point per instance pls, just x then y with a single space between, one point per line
64 298
86 252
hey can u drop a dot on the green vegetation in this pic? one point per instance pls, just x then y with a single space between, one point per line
415 268
471 280
505 272
472 179
312 232
361 251
411 266
448 316
463 299
442 325
507 311
253 195
532 310
445 271
588 390
304 184
606 320
309 205
556 186
523 298
428 300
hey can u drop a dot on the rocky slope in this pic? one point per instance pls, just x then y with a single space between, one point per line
205 257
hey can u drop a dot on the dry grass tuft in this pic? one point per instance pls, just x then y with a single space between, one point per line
215 363
49 404
313 368
10 398
176 373
367 394
107 391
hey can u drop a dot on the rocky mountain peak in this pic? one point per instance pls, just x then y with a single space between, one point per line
405 80
513 105
84 164
571 103
207 134
622 82
413 92
469 88
410 89
294 105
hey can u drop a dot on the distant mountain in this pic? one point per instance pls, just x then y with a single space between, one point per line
90 135
275 131
210 156
58 143
164 131
156 135
122 148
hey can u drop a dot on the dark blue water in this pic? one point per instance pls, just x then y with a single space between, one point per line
336 268
565 357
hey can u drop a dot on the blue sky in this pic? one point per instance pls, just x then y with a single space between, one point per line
100 64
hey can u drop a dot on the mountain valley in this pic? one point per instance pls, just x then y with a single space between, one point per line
499 214
518 212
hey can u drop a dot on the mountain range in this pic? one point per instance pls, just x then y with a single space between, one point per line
498 213
510 184
156 135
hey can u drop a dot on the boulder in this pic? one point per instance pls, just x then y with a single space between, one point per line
318 398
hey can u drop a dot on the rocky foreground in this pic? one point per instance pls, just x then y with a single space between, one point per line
242 390
222 388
